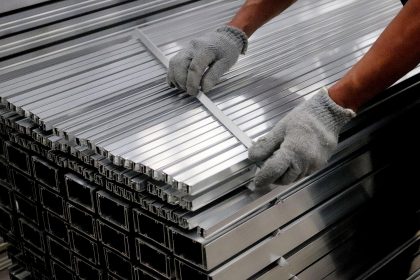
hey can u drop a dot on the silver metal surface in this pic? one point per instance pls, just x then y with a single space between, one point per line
115 102
102 99
52 11
273 248
191 166
7 6
210 106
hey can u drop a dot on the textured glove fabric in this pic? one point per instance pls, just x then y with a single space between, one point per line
206 59
300 143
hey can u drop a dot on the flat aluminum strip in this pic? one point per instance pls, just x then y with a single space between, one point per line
102 109
115 101
44 43
14 5
52 11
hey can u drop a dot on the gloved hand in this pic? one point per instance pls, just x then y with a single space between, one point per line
301 142
218 51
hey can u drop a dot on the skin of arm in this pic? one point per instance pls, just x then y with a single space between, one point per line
395 52
254 13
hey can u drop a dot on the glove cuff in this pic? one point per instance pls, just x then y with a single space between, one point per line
328 112
237 35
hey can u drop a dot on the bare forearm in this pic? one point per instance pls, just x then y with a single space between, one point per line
254 13
395 53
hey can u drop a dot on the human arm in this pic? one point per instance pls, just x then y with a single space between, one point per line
395 52
304 140
255 13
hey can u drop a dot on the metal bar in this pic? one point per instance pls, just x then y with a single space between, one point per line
84 246
59 252
114 210
52 201
214 110
87 271
82 220
118 265
56 226
115 239
154 258
273 248
80 192
60 272
31 234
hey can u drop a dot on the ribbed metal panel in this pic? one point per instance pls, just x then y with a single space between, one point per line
153 183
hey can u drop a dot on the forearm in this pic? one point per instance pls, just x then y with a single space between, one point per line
254 13
396 52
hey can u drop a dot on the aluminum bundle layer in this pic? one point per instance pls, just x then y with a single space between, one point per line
58 26
305 233
106 90
11 6
115 102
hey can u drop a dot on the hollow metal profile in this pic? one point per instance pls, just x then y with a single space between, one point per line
310 253
208 104
76 26
194 198
276 246
404 250
199 257
14 6
146 155
136 180
216 112
212 251
14 23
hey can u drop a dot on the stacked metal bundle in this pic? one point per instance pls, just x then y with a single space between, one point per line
116 103
102 110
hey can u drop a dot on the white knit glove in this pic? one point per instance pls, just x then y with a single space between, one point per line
218 51
301 142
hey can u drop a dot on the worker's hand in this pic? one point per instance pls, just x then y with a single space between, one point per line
218 51
301 142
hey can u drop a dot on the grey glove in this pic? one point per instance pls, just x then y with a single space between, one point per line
218 51
301 142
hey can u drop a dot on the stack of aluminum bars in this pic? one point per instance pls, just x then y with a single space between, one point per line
116 103
113 101
57 22
10 6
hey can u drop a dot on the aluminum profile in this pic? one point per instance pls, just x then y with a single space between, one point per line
114 101
122 148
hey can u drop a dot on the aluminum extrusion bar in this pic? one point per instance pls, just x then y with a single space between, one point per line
117 165
215 250
215 111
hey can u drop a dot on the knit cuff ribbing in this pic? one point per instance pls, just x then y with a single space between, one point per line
330 113
238 35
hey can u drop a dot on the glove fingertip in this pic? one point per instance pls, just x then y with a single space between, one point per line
261 181
258 151
169 82
254 154
206 86
208 83
273 168
214 73
193 91
287 179
258 181
263 177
